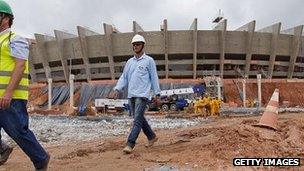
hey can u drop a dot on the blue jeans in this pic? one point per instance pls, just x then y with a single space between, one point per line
14 121
137 107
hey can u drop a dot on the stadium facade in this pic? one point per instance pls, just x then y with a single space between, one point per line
192 53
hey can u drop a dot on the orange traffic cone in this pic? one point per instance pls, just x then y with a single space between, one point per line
270 115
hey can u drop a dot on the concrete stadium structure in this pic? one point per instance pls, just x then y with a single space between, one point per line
189 53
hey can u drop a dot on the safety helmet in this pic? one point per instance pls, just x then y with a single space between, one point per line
138 38
5 8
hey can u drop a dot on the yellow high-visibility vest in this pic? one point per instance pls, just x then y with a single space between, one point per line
7 65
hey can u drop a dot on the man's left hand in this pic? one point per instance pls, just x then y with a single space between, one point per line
5 100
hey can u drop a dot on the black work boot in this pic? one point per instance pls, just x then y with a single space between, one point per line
46 164
5 155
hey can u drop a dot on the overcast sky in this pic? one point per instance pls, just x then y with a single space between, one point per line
43 16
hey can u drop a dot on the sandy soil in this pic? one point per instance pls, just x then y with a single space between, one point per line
210 146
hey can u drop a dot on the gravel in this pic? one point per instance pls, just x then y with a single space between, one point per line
59 129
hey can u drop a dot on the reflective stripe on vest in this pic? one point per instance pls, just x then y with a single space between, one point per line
7 65
19 87
9 73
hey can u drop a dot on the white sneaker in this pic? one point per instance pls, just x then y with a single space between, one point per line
151 142
127 150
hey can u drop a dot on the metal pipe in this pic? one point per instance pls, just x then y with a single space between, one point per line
49 93
71 80
259 77
244 93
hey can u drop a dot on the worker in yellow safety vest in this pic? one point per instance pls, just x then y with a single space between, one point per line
199 106
208 101
203 106
215 106
14 82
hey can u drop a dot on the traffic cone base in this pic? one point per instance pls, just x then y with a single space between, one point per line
270 115
268 120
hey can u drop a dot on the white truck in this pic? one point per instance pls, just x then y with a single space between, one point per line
178 91
102 105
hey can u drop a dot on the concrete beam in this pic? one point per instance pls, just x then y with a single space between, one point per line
82 33
114 29
194 28
193 25
86 31
222 27
270 29
108 30
137 28
60 36
249 28
275 30
297 34
166 47
41 51
246 27
31 65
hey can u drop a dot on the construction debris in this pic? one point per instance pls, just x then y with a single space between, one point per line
59 129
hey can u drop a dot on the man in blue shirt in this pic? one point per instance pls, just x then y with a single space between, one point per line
140 76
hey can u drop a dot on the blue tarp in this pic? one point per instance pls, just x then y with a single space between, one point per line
59 94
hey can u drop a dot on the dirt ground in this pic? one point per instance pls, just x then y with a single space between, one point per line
210 146
289 91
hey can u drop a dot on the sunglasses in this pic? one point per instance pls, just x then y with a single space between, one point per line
137 44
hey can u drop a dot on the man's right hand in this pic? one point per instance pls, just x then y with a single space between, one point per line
113 94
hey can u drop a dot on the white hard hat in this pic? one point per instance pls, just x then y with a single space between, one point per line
138 38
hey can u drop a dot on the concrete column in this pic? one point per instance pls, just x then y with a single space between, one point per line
222 26
41 50
108 29
82 33
219 92
250 28
137 28
259 77
297 35
275 30
49 93
194 28
244 93
60 36
166 48
71 80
